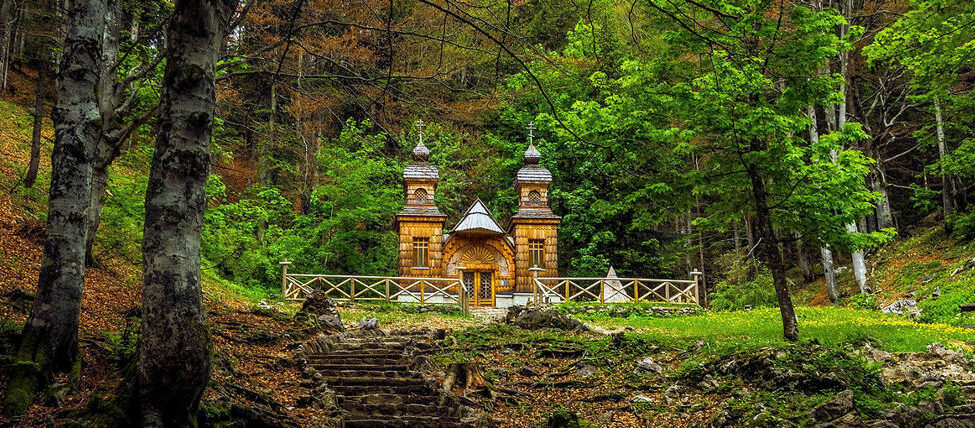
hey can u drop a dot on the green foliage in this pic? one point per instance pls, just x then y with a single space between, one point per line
863 301
748 284
963 225
345 227
123 345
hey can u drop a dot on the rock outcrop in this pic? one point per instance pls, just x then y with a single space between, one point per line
538 317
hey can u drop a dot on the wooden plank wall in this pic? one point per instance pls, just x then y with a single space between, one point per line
528 229
423 227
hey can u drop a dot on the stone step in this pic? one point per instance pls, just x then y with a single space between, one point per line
374 380
403 421
373 360
352 390
413 409
381 398
373 341
356 353
353 366
328 373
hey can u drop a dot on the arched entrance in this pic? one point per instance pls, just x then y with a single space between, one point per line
482 267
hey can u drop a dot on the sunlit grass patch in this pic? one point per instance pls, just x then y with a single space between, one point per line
763 327
407 316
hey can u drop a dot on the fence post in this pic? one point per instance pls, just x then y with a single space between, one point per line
465 304
602 291
387 289
284 278
352 290
636 290
536 293
696 275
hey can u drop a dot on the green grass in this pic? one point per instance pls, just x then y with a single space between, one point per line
221 288
404 315
576 306
829 326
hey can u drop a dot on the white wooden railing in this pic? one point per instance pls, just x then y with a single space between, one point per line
605 290
363 288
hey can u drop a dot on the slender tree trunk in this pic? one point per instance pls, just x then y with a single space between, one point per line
173 365
7 22
829 272
801 254
50 337
947 197
771 255
885 217
109 146
859 261
35 139
99 182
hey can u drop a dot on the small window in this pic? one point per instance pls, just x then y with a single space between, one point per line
536 253
534 198
421 252
420 195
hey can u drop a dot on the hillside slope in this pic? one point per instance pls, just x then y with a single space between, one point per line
924 265
252 378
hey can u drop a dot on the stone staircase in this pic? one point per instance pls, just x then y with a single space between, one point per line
379 383
489 313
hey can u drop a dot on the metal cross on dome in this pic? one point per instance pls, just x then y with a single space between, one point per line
419 126
531 132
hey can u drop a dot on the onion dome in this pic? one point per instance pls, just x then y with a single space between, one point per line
421 153
532 155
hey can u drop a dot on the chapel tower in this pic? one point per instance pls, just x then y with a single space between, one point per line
420 223
534 227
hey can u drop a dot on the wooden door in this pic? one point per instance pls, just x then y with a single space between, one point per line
480 287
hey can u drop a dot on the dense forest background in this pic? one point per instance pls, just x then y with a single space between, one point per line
653 116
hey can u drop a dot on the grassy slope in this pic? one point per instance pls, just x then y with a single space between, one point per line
828 326
919 265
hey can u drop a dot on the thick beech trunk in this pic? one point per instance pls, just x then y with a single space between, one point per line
35 138
50 337
174 355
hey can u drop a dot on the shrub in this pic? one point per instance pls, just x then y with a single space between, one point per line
747 284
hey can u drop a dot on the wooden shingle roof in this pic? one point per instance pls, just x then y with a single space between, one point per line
478 220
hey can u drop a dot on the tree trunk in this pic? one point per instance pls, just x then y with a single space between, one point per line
827 256
947 198
6 21
829 272
109 146
99 182
885 217
35 139
859 265
859 261
801 254
50 336
173 365
771 255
